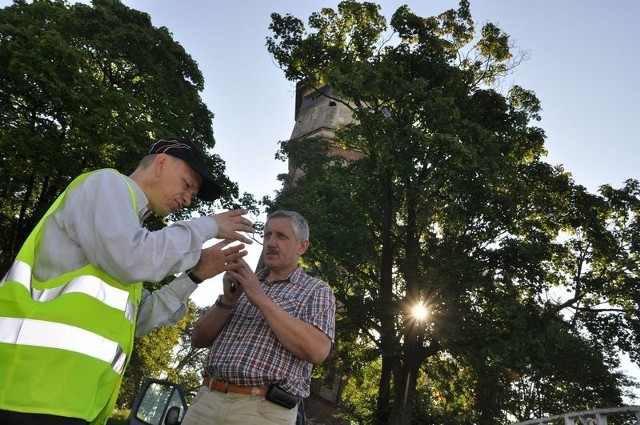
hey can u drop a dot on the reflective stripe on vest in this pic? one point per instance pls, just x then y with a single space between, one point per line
92 286
40 333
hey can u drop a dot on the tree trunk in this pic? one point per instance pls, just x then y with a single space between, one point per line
405 388
384 391
387 310
406 380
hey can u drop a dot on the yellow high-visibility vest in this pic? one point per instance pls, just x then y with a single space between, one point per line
64 342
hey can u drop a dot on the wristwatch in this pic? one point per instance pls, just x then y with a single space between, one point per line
195 279
222 305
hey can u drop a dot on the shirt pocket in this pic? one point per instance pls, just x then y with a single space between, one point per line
287 304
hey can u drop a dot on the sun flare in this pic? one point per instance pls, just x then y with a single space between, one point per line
419 311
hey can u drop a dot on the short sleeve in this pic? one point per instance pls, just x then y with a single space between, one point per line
321 310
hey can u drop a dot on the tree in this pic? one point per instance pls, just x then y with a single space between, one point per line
450 203
86 87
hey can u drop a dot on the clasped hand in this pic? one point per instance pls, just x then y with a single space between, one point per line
243 279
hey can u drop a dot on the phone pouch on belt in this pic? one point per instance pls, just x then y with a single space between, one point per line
280 397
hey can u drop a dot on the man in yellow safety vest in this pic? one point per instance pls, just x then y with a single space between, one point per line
72 301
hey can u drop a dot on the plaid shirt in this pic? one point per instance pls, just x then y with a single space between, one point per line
247 351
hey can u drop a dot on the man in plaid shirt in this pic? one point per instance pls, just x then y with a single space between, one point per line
265 333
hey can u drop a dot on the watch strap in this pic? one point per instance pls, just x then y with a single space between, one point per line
195 279
221 304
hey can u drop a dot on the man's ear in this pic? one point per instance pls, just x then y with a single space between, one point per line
160 163
303 246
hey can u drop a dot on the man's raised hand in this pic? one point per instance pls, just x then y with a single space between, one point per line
232 223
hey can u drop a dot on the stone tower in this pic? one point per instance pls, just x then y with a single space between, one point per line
317 115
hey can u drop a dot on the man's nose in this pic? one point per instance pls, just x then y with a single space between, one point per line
187 199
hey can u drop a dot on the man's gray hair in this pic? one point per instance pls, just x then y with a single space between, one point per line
298 222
